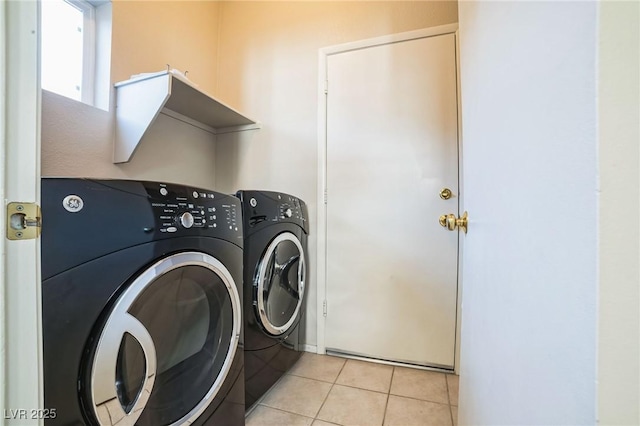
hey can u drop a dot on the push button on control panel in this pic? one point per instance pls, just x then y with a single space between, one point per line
231 216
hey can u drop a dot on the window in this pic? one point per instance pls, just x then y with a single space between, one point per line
67 40
74 45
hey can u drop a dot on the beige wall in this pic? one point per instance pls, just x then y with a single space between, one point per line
262 58
148 35
77 140
268 68
619 231
259 57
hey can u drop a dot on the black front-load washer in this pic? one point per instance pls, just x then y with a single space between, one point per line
142 304
275 262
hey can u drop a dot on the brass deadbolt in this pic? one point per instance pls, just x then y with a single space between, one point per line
445 193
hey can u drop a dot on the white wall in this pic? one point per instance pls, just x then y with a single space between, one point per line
619 287
529 303
268 68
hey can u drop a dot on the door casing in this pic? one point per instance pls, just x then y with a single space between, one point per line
21 389
321 269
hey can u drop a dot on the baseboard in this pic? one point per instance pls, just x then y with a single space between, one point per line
310 348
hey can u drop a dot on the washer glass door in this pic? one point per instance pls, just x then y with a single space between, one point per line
280 283
167 344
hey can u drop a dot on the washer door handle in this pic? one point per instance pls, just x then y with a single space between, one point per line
107 404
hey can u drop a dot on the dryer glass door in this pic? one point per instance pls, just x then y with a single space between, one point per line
177 326
280 283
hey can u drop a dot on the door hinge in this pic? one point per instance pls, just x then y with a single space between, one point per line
325 195
324 308
24 221
326 87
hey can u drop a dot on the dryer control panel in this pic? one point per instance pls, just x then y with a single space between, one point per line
289 207
262 208
183 210
88 218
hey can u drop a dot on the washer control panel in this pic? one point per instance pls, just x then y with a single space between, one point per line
193 211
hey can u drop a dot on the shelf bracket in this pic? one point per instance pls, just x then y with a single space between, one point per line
137 107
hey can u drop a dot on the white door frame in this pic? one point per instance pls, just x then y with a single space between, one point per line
21 384
321 268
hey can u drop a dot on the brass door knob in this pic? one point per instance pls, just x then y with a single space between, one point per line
450 222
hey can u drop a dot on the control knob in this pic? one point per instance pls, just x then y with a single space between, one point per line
288 213
186 220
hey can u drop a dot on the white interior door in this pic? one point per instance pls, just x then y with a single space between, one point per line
20 331
529 337
391 147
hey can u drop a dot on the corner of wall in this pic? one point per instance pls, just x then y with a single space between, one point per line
618 68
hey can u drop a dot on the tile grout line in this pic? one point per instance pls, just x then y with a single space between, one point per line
388 395
377 391
386 405
285 411
330 389
332 386
310 378
306 378
363 389
418 399
446 380
323 402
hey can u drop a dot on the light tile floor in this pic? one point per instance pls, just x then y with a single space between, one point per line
323 390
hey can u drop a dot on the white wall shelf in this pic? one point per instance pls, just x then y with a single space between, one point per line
140 100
